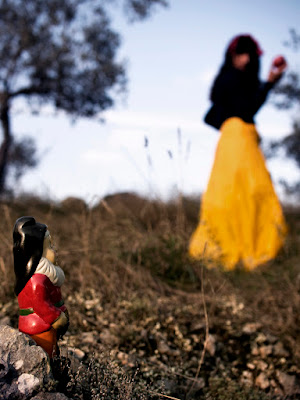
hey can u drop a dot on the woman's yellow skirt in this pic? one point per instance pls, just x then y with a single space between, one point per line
241 219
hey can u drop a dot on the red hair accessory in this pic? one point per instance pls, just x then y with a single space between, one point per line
248 42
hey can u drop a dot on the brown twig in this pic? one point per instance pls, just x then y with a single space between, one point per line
206 334
163 395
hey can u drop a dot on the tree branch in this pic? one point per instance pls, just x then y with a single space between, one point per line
30 90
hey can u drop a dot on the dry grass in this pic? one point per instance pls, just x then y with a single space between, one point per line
130 249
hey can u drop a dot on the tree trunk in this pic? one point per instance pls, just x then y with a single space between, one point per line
5 146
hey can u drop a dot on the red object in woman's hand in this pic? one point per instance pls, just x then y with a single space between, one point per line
279 61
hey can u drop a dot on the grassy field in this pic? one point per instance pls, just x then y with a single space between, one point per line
147 322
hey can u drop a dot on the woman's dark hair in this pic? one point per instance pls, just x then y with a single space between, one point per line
244 44
238 45
28 239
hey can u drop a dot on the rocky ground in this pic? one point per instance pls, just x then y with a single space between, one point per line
152 324
173 348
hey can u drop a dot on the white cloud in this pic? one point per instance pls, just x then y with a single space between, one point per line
137 123
202 80
100 157
123 136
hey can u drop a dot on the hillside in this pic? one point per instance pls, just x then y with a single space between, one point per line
149 323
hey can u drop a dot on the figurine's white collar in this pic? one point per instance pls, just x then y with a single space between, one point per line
53 272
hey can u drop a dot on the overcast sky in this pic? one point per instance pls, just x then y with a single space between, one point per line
172 59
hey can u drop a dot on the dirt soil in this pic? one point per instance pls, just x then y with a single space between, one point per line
154 324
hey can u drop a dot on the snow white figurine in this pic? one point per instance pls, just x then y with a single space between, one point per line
42 312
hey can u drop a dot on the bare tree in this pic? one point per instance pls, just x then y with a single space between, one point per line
286 96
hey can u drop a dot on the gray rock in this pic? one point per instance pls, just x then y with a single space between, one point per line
24 366
262 381
288 382
255 350
251 365
197 327
89 337
280 351
163 348
5 321
251 327
79 354
266 351
246 378
271 338
261 338
261 365
211 344
50 396
108 338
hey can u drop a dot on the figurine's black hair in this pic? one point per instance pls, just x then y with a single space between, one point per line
28 238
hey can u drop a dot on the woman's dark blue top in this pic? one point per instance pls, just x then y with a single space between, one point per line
234 95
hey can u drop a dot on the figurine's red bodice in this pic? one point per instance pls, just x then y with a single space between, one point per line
40 304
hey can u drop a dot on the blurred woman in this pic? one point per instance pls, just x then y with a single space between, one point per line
241 220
